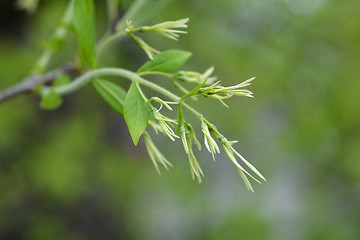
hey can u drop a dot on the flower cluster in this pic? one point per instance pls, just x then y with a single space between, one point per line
165 123
206 86
229 150
188 138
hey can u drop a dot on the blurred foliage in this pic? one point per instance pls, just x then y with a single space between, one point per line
73 173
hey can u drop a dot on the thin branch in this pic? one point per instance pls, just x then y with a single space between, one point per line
29 83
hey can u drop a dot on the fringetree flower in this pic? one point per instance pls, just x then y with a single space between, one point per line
209 142
187 137
150 51
155 155
205 87
220 92
167 28
163 121
195 77
230 151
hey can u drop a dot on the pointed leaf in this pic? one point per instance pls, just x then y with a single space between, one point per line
167 61
136 113
112 93
83 20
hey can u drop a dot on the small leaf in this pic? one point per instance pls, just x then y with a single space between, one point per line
113 94
83 19
61 79
50 100
167 61
136 113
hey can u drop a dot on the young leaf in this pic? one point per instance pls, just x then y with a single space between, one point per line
50 100
62 79
136 113
83 19
167 61
113 94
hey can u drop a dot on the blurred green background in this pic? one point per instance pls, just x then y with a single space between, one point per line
73 173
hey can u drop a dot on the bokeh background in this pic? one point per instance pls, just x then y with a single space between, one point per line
74 174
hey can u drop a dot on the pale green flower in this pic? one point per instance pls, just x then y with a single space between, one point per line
209 142
162 102
187 137
230 151
195 77
220 92
150 51
157 128
167 28
155 155
164 123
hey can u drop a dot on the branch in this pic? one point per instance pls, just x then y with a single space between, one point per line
29 83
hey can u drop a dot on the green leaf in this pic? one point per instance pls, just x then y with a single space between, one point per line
112 93
136 113
83 20
62 79
167 61
50 100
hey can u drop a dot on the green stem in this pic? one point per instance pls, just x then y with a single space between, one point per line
135 7
111 6
59 35
84 79
155 73
141 92
168 94
103 44
120 25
